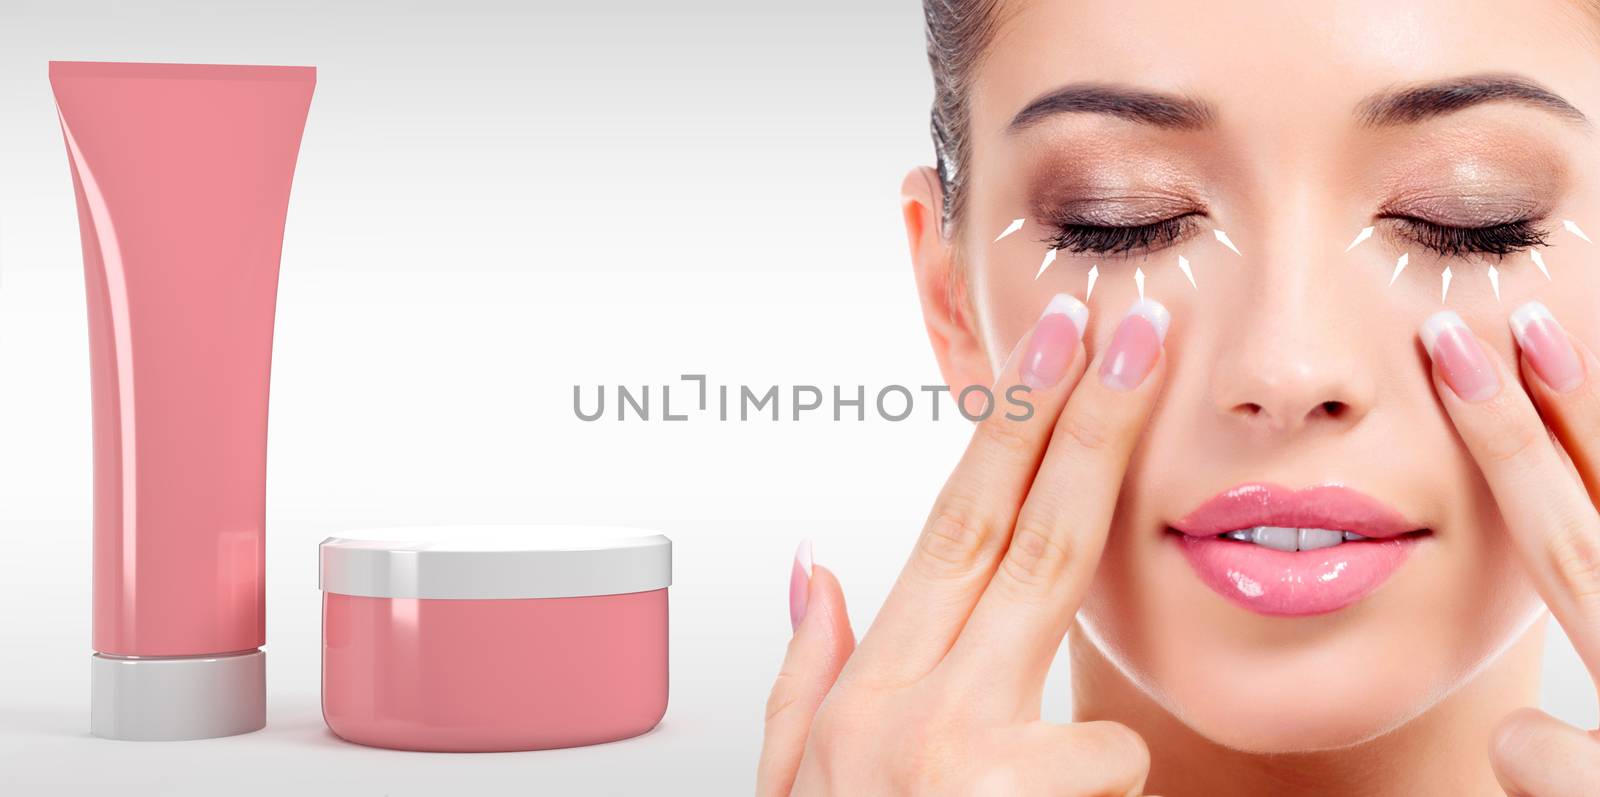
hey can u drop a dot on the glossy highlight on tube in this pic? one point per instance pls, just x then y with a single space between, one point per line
182 175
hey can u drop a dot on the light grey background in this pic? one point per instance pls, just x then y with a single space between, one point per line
496 201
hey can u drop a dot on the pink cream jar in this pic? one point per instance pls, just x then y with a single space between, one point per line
494 638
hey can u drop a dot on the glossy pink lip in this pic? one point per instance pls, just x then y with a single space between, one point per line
1295 583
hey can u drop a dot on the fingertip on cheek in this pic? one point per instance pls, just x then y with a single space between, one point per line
1546 347
1461 360
1054 342
1135 346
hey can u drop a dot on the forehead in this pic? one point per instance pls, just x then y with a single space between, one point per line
1260 63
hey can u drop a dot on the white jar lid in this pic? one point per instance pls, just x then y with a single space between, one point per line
495 562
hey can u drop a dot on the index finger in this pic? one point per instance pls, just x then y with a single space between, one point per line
972 517
1552 523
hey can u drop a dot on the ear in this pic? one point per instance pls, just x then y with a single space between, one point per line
951 330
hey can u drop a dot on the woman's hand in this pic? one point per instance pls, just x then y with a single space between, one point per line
943 695
1550 515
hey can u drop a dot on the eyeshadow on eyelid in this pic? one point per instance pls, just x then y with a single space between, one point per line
1479 163
1117 193
1474 203
1102 170
1113 211
1474 206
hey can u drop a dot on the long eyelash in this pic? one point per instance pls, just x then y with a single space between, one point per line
1108 240
1496 239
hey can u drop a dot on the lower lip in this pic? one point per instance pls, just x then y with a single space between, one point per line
1294 583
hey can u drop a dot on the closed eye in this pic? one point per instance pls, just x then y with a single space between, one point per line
1103 239
1497 240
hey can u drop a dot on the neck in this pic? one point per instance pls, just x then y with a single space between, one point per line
1442 751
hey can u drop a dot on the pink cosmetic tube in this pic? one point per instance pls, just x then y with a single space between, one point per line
182 175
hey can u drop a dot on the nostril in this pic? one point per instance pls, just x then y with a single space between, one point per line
1327 410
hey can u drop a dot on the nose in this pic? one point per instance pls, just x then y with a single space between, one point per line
1289 366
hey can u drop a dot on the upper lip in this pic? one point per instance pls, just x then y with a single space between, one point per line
1326 506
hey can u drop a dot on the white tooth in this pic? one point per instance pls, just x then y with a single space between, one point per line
1275 537
1312 539
1352 536
1242 535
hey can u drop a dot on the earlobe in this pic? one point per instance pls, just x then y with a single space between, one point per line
940 286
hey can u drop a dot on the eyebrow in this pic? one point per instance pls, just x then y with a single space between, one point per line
1412 104
1135 105
1400 106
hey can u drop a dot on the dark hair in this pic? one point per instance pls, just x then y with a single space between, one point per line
958 33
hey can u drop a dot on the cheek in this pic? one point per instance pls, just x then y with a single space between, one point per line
1572 293
1572 288
1011 300
1012 293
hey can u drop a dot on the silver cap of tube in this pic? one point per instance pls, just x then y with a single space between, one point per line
180 697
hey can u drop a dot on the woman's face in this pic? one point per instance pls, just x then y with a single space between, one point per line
1295 363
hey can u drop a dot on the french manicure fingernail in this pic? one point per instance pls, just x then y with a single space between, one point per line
1054 342
800 585
1135 346
1546 346
1461 360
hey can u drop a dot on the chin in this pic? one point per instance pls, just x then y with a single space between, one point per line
1268 683
1304 706
1261 700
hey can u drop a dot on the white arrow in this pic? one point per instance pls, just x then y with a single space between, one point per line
1366 232
1183 265
1138 279
1015 225
1094 274
1222 237
1049 257
1538 260
1572 227
1494 282
1399 266
1444 294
